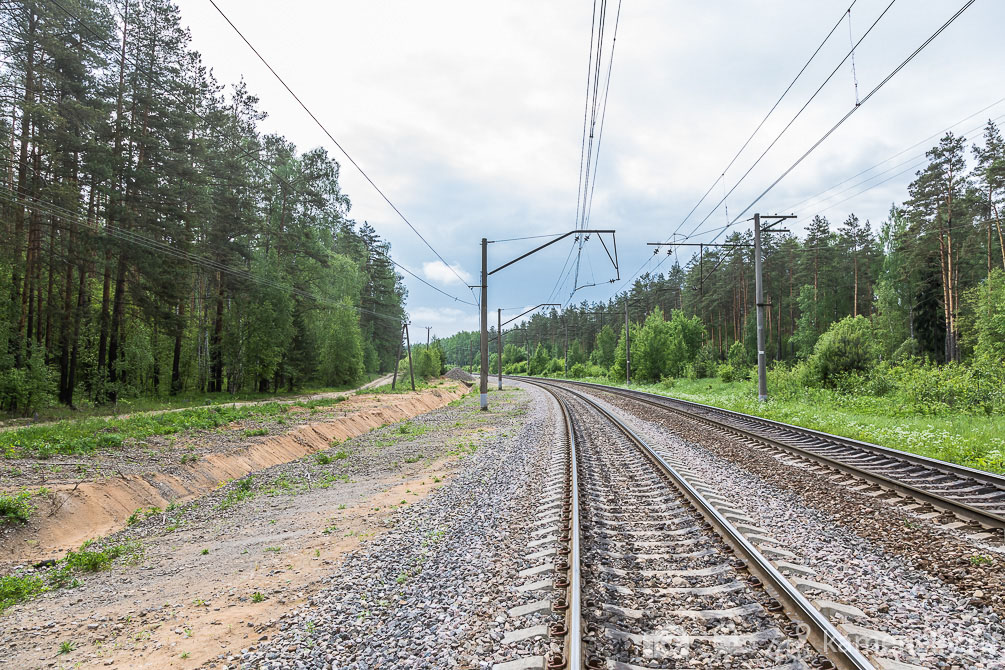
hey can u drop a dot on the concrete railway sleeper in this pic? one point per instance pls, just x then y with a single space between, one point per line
651 571
976 499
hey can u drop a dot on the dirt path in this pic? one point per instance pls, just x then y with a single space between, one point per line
191 599
286 400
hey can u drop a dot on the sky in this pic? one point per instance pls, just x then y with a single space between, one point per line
469 117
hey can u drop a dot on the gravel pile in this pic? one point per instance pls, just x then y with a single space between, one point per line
873 554
461 376
432 591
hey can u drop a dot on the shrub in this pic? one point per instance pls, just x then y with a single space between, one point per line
703 364
15 509
577 371
15 588
848 346
737 356
728 373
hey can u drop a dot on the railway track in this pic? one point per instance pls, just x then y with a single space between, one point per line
652 573
976 498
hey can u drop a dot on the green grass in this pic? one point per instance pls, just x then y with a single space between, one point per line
87 435
156 403
972 440
142 513
19 587
15 509
402 386
240 491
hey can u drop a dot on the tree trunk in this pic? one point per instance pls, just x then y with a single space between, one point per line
176 357
118 307
216 346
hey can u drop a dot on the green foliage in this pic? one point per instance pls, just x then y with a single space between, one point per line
735 368
25 389
342 346
848 346
15 509
986 304
16 588
240 491
603 351
805 336
512 355
665 348
704 363
87 435
540 363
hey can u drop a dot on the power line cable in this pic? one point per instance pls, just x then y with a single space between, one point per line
898 154
766 117
140 69
797 115
857 107
337 144
165 249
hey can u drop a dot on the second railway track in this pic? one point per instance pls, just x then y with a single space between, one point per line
654 575
975 497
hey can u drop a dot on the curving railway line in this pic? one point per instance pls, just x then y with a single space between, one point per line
976 498
652 569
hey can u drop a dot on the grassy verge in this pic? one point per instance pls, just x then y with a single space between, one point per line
87 435
976 441
85 410
403 385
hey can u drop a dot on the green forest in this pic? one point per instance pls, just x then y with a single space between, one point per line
156 241
915 303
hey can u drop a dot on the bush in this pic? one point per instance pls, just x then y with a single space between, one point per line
848 346
728 373
578 371
703 364
15 509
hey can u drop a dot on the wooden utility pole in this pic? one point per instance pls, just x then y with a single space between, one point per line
428 330
411 370
397 358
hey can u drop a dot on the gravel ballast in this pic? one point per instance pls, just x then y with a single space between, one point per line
874 555
432 592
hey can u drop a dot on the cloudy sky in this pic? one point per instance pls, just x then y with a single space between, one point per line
469 116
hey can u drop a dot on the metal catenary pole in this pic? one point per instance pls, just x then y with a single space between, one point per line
762 362
566 347
483 386
485 277
762 375
499 347
411 370
628 347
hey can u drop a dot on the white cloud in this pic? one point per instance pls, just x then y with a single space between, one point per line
439 273
469 117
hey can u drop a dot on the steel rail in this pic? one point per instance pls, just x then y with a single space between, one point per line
823 636
960 509
573 646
